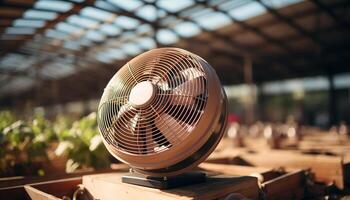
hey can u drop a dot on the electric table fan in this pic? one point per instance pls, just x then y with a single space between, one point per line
163 113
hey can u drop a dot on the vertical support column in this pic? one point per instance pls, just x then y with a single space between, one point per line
260 100
248 78
332 104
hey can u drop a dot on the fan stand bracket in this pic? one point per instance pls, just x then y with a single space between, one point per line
188 178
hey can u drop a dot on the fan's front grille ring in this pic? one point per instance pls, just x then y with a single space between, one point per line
180 97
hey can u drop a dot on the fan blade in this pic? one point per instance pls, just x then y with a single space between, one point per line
186 114
170 127
185 93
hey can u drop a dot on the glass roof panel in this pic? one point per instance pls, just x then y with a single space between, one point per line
95 35
17 84
109 29
85 42
147 12
98 14
146 42
104 58
166 36
59 6
247 11
187 29
71 45
116 54
56 70
212 20
131 48
12 61
128 5
19 30
280 3
37 14
144 28
68 28
105 5
229 5
77 1
29 23
51 33
342 80
174 5
82 21
127 22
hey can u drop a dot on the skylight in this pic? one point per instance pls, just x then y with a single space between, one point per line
187 29
129 5
36 14
59 6
19 30
98 14
131 48
174 5
146 42
147 12
104 58
280 3
104 5
115 54
56 34
144 28
12 61
109 29
213 20
71 45
85 42
165 36
68 28
82 21
95 35
56 70
29 23
247 11
17 84
126 22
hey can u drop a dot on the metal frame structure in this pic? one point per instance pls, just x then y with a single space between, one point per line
286 40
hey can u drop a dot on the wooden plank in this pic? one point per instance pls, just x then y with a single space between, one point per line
326 168
276 185
21 180
262 173
36 194
109 186
14 193
289 186
56 188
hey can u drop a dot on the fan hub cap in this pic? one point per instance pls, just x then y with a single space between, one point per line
142 94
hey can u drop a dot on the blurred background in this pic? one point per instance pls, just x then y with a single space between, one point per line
280 61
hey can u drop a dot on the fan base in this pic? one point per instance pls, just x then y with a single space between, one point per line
189 178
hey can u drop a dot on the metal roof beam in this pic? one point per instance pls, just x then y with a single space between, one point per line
292 24
332 14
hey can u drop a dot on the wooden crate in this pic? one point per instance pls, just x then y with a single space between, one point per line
14 187
53 190
275 184
109 186
327 169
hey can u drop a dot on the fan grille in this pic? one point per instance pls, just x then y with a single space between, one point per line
180 97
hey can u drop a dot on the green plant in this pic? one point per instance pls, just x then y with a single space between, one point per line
83 145
28 146
23 148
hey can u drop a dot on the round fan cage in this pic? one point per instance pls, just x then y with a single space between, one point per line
163 112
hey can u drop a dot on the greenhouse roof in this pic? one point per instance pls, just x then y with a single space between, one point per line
76 46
